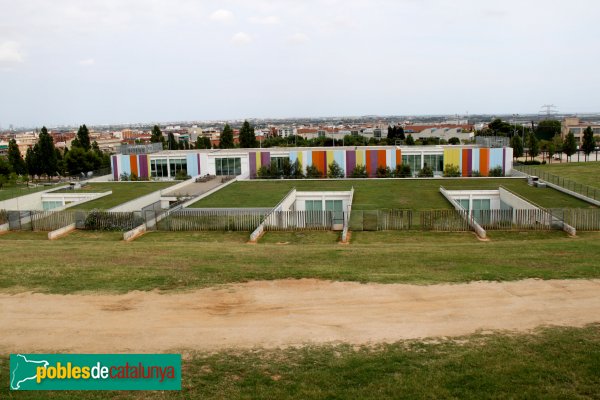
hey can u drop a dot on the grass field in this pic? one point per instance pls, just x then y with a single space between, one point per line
587 173
382 194
122 192
10 191
78 263
550 363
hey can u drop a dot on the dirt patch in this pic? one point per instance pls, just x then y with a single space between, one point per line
287 312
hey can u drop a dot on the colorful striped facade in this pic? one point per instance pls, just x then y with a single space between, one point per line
201 162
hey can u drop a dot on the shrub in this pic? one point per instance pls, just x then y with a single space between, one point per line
403 171
181 175
476 174
360 171
313 172
451 171
531 162
296 170
496 172
383 172
124 176
335 171
454 140
425 172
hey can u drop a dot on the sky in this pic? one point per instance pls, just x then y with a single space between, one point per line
128 61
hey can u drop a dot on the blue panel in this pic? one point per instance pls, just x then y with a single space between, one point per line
391 159
308 160
495 158
475 160
192 164
338 156
124 164
293 156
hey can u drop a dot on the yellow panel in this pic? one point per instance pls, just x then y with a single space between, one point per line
258 165
329 158
452 157
360 157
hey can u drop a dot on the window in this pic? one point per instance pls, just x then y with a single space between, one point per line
313 218
158 168
575 131
279 162
435 161
413 161
354 133
177 166
228 166
337 206
377 133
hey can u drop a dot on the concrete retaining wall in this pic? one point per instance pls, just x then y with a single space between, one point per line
479 231
61 232
134 233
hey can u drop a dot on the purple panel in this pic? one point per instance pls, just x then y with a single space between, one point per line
198 164
374 154
143 163
115 168
470 162
503 161
265 158
350 162
252 157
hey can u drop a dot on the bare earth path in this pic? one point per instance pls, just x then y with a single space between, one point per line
286 312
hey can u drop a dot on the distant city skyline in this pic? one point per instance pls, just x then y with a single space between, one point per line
131 61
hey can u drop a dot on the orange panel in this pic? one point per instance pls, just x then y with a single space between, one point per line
398 157
465 162
484 162
318 158
370 155
134 165
381 161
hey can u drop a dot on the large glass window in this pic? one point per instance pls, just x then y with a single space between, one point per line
337 206
413 161
158 168
177 166
228 166
435 161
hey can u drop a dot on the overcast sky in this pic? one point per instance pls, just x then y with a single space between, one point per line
120 61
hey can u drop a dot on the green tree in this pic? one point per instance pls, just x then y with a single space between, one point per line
589 142
226 139
247 136
202 142
569 146
157 136
403 171
410 141
496 172
335 171
383 172
171 142
533 146
83 137
296 171
425 172
517 145
313 172
32 162
15 159
501 128
451 171
547 129
359 171
454 141
46 153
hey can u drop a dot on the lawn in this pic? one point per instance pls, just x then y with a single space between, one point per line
168 262
549 363
375 194
122 192
587 173
10 191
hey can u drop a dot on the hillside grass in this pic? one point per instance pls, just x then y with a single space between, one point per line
373 194
80 262
549 363
587 173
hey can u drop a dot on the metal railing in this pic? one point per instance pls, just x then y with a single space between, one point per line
569 184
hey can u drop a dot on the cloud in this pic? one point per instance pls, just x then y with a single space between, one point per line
298 38
267 20
241 39
222 16
10 54
87 62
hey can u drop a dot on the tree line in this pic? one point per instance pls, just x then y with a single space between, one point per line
45 160
556 145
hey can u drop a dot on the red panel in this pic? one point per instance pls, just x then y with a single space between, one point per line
134 165
381 158
484 162
465 162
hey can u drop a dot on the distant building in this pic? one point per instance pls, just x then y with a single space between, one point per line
576 127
